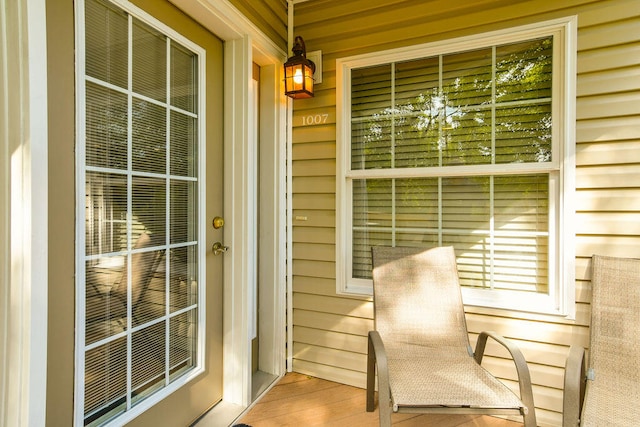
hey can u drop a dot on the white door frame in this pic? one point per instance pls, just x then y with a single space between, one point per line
23 199
23 396
244 44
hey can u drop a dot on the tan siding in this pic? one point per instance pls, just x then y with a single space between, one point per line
608 200
612 57
317 218
314 201
322 184
333 322
546 375
538 353
334 305
612 153
330 356
313 235
608 176
331 373
327 115
314 251
313 168
551 333
316 133
270 16
329 330
346 342
604 36
622 246
608 129
609 105
316 150
625 223
603 82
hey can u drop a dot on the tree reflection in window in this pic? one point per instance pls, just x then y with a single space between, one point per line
482 108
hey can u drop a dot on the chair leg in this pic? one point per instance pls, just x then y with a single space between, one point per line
371 377
377 358
384 405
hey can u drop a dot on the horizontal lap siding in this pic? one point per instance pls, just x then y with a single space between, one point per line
329 331
270 16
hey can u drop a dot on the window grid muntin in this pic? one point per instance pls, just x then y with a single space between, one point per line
129 174
550 166
494 106
442 233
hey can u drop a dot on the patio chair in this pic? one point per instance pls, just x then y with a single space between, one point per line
606 392
107 310
420 344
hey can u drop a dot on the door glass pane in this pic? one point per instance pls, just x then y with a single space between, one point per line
107 46
141 281
184 211
148 209
184 147
184 280
182 350
149 137
148 361
106 127
105 390
184 93
106 213
149 57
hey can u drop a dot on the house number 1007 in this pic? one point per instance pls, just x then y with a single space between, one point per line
316 119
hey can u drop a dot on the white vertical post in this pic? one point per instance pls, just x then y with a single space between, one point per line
23 207
236 348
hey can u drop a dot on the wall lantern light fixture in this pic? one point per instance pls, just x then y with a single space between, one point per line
298 72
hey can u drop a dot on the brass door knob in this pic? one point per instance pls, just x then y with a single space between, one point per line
218 222
218 248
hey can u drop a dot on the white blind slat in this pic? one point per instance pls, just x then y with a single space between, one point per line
149 137
149 55
107 43
141 180
499 222
184 147
184 90
106 124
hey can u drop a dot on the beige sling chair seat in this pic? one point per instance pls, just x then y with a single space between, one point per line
107 309
607 391
420 344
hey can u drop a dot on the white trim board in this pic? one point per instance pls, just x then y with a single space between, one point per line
23 285
244 44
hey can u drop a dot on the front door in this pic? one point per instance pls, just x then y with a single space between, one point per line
149 292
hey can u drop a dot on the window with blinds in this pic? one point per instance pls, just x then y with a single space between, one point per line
458 149
139 282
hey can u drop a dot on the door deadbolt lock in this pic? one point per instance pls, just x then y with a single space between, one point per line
218 248
218 222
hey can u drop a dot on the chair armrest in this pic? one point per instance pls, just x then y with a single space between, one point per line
574 386
522 369
377 356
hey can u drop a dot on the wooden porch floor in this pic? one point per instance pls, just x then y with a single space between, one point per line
299 400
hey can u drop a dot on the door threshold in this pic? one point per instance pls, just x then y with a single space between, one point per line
225 414
260 382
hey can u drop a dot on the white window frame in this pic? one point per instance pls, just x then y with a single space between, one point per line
199 367
561 297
